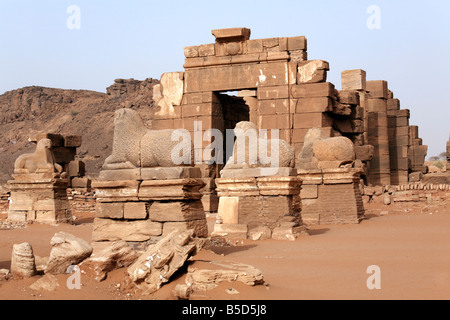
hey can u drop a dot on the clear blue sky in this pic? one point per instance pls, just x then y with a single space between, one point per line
140 39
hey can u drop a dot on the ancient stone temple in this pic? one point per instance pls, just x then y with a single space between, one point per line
39 188
271 83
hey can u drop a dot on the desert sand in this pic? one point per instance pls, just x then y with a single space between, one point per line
411 248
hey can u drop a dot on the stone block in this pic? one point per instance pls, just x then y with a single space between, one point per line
297 43
114 230
393 104
271 93
254 46
376 105
191 52
72 141
231 34
312 71
309 191
205 50
378 89
317 104
312 90
63 154
199 226
258 172
348 97
230 231
260 233
176 211
111 210
223 78
135 211
228 210
298 55
76 168
278 106
84 183
56 139
170 173
353 79
124 190
178 189
312 120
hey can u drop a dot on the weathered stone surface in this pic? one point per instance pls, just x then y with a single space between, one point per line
258 172
199 227
229 210
22 261
155 267
48 283
231 33
230 231
208 279
323 152
170 173
171 93
66 250
135 211
177 211
118 255
312 71
171 190
353 79
340 149
284 233
114 230
260 233
182 291
124 190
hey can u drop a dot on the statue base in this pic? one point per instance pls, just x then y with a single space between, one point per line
43 201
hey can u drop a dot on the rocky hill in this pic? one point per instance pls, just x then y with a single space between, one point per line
30 110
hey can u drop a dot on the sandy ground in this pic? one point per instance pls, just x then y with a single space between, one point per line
411 248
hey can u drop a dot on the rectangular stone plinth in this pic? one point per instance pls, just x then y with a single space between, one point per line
331 196
43 201
249 203
141 212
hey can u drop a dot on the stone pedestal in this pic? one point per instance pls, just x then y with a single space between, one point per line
257 207
141 212
331 196
42 200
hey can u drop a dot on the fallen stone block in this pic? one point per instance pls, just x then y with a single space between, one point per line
66 250
155 267
48 283
22 261
208 279
118 255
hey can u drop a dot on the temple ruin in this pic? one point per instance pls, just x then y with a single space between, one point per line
335 142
